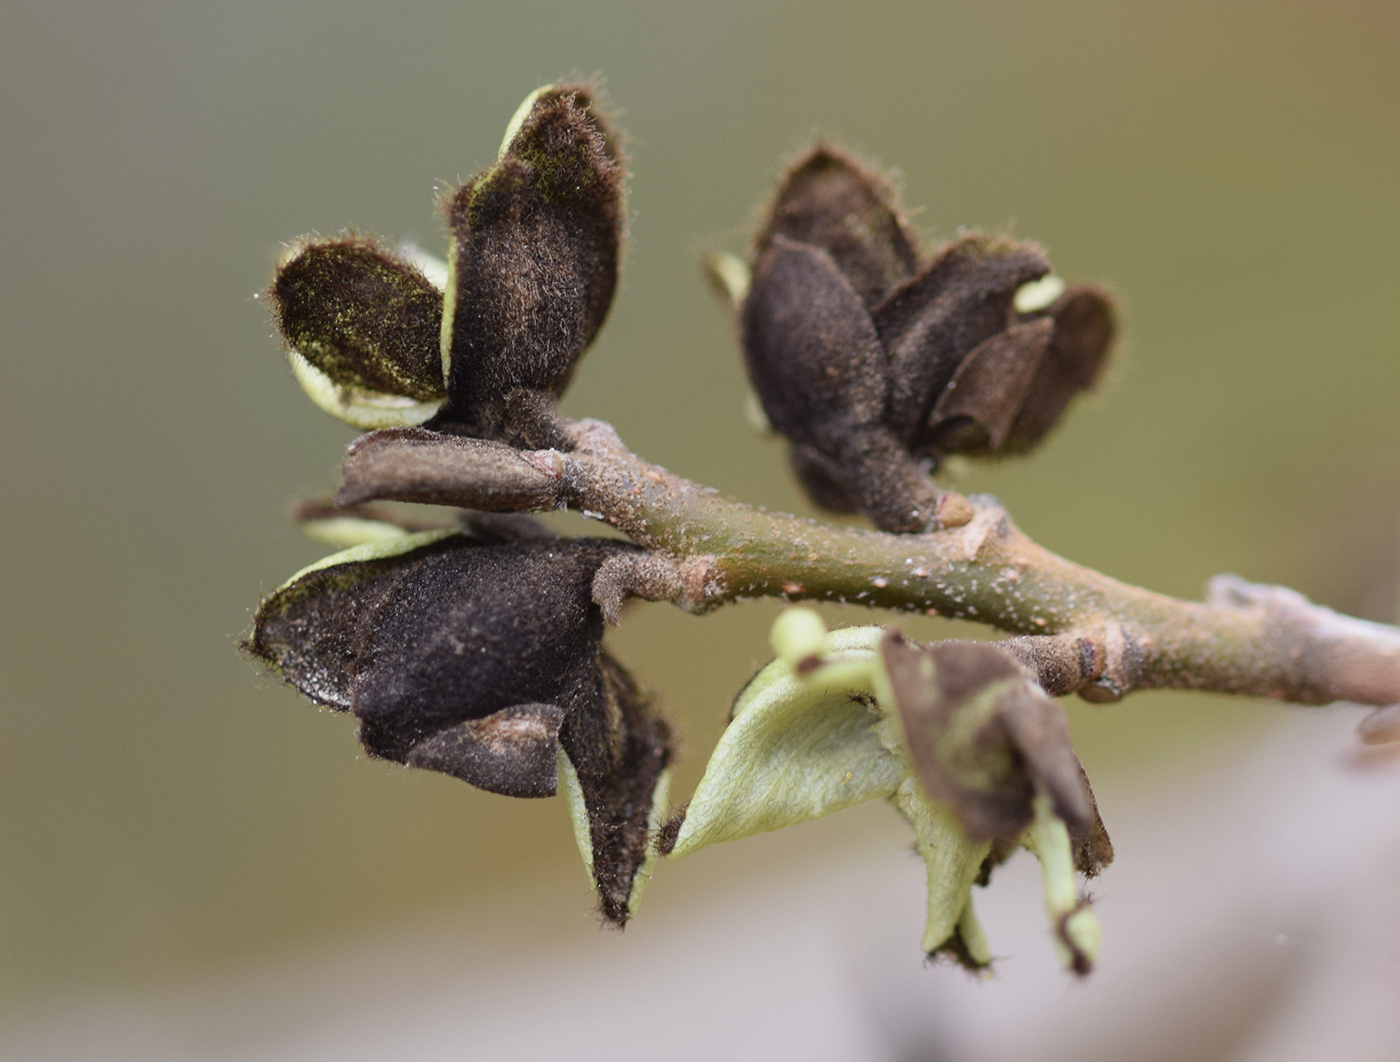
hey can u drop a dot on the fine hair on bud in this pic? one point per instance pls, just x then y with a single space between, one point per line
536 241
876 362
361 315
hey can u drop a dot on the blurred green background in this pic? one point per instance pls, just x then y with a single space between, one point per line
1232 171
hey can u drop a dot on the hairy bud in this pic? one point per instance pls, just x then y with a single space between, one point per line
536 241
482 661
876 365
361 326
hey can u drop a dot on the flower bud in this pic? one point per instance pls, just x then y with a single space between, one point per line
831 201
816 361
532 266
361 327
876 365
536 241
482 661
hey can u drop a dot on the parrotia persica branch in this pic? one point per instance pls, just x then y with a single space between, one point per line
1082 631
475 648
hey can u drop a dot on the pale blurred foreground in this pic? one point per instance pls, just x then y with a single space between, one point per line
1252 914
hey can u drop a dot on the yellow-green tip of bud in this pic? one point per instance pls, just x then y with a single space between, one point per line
1038 294
799 637
729 276
1077 931
1078 940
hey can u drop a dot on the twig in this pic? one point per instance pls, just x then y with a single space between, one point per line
1081 631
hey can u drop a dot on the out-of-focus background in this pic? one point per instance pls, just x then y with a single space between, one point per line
195 863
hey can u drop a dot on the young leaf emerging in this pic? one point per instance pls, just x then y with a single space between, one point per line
795 749
815 731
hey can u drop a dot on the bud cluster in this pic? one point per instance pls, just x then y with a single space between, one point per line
477 650
474 647
535 244
877 363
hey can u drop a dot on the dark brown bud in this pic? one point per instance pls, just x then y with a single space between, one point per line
830 200
416 643
536 241
619 756
816 362
875 366
480 661
365 323
984 737
816 359
935 321
975 411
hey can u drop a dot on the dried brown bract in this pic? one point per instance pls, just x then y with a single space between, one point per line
984 738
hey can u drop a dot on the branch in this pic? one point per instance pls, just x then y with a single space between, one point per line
1081 631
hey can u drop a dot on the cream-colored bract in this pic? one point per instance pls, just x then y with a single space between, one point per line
757 417
1038 294
377 549
572 792
449 309
521 113
362 409
731 274
346 532
660 808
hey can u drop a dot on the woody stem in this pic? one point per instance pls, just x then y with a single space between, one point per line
1081 630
